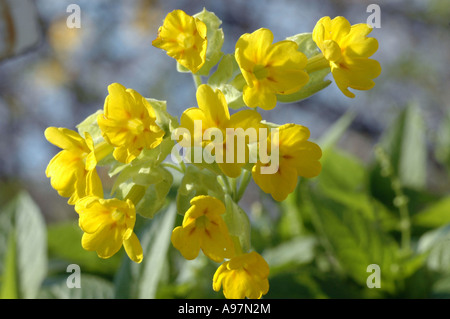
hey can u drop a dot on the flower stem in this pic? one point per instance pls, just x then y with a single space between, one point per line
197 80
316 63
400 200
246 177
226 184
136 193
175 167
102 150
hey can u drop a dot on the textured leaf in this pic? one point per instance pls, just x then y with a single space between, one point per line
24 264
435 215
141 280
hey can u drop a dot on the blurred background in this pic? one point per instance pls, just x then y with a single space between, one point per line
52 75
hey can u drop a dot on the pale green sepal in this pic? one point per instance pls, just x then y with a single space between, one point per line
197 182
215 37
224 79
238 223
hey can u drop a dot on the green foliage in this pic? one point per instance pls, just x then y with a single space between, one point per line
238 223
141 280
23 249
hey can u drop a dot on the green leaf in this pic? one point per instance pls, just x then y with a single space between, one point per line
406 145
238 223
357 242
436 244
441 288
141 280
297 251
23 255
9 282
435 215
64 242
332 136
336 183
442 149
195 182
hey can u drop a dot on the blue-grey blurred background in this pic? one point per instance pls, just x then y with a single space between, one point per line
51 75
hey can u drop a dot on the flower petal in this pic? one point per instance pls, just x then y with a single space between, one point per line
133 248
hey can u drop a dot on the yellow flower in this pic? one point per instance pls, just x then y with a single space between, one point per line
107 225
243 276
296 157
213 114
269 69
72 171
204 228
347 49
128 123
183 37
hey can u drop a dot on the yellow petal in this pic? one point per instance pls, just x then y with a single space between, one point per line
64 170
340 27
252 47
260 95
106 242
280 184
65 139
214 106
187 242
217 243
183 37
331 50
118 104
133 248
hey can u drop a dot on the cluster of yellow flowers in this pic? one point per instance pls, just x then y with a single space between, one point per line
134 135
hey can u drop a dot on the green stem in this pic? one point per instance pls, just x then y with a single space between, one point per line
246 178
400 200
136 193
175 167
226 184
316 63
233 185
181 162
197 80
102 150
318 226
